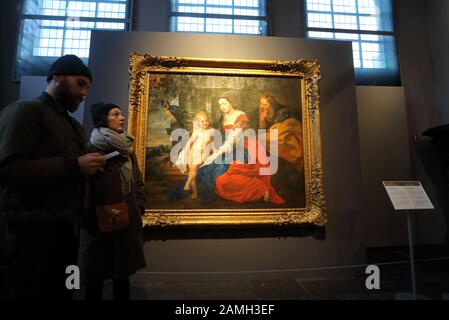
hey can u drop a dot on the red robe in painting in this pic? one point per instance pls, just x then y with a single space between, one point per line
242 182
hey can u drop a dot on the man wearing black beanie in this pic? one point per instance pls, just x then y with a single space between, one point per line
43 164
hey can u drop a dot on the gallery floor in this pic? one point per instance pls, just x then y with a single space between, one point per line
432 274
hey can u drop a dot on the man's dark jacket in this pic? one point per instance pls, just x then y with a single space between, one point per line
40 177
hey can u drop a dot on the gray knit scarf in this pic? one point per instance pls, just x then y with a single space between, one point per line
108 140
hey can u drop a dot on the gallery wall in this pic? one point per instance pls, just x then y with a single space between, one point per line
437 13
422 77
417 102
384 153
9 91
422 39
341 244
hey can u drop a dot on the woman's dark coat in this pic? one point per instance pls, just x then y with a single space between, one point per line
117 254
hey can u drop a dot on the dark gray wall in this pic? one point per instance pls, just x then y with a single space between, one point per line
286 18
416 64
9 91
341 162
32 86
422 28
423 69
151 15
385 155
438 13
438 26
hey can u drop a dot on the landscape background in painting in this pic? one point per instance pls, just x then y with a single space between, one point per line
187 94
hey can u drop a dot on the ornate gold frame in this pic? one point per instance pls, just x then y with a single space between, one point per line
309 73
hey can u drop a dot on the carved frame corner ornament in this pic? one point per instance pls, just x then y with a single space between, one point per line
308 71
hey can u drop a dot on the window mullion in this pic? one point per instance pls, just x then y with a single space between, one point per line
359 42
65 27
96 14
217 15
233 20
205 15
85 19
332 18
383 33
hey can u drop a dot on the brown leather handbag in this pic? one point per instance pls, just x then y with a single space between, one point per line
112 217
111 207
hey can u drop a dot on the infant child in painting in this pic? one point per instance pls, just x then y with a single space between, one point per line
198 148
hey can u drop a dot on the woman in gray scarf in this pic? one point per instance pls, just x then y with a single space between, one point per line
116 254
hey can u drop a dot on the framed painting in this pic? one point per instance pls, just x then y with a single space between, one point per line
227 142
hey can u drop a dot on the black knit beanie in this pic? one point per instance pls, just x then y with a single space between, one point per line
100 112
69 65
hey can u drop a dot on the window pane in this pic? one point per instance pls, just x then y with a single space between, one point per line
368 6
184 3
111 10
347 6
76 24
372 52
45 7
188 24
246 12
210 20
378 52
219 10
356 54
373 55
110 25
369 23
194 9
249 3
347 36
369 51
319 20
370 15
319 5
81 9
249 27
41 40
345 22
219 25
321 35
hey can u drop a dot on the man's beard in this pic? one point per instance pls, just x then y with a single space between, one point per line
65 98
269 119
